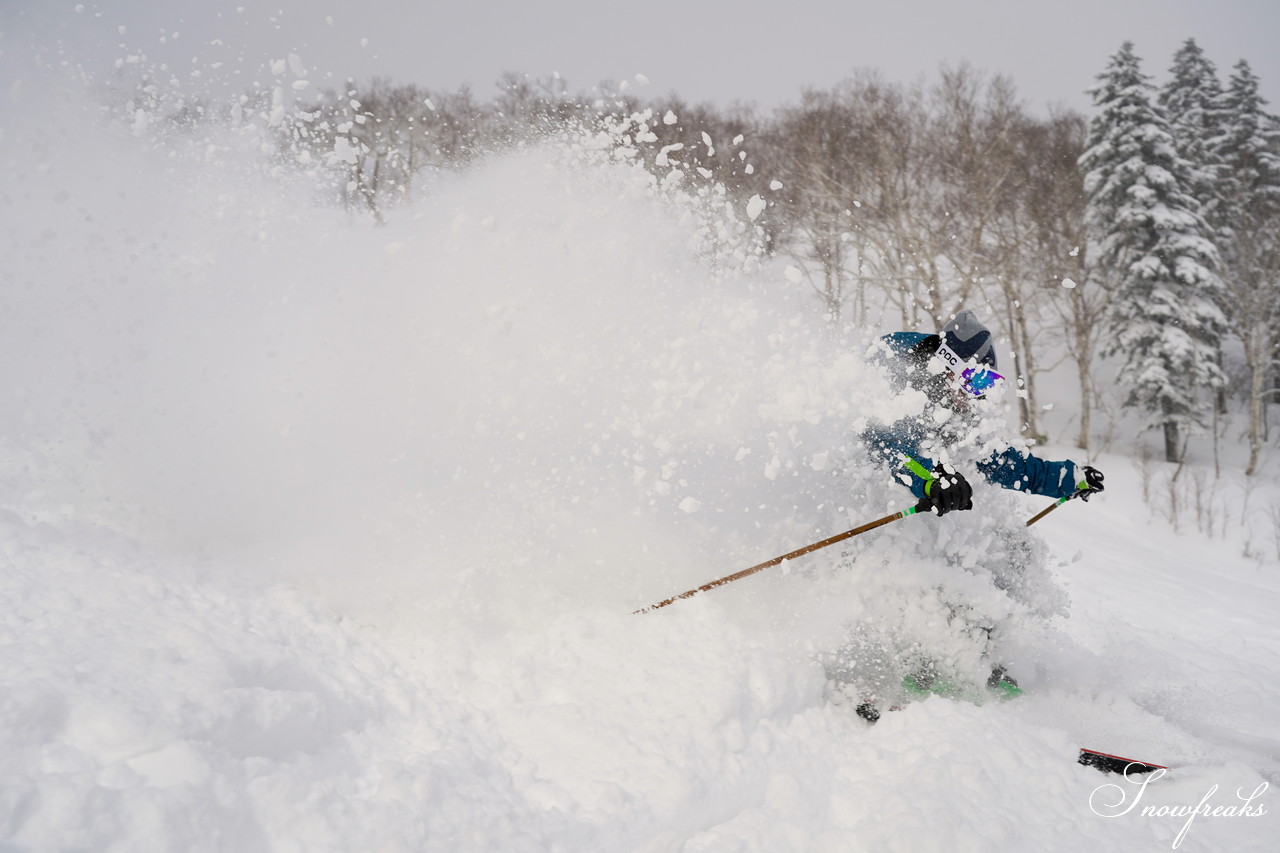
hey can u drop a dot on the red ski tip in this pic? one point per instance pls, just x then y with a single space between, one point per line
1108 763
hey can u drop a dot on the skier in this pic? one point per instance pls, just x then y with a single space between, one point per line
954 370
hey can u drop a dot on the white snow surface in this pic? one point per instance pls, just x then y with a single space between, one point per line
306 544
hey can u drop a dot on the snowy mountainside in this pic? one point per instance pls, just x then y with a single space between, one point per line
317 535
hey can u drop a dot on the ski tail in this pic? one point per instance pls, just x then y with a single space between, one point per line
1108 763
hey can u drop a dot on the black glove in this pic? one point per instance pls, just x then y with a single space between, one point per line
1092 483
947 491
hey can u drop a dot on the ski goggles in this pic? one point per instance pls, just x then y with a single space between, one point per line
974 381
977 381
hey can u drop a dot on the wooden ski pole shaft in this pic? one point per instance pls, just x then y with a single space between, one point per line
1050 508
808 549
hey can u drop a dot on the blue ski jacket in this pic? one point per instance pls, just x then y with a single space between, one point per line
899 445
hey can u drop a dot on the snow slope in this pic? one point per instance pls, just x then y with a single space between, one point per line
318 536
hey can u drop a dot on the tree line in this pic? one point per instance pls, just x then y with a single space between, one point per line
1146 234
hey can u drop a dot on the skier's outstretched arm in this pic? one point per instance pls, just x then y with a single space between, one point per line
1026 472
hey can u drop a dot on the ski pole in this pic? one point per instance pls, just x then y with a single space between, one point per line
1051 507
808 549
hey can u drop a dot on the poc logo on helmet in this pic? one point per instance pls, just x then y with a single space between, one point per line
949 358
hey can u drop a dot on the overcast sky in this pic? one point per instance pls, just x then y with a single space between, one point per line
703 50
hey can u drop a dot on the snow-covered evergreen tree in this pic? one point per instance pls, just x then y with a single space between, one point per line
1248 145
1191 101
1150 236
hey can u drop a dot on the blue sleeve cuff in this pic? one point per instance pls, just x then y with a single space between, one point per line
890 448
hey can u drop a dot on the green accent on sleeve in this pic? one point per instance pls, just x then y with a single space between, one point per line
919 470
